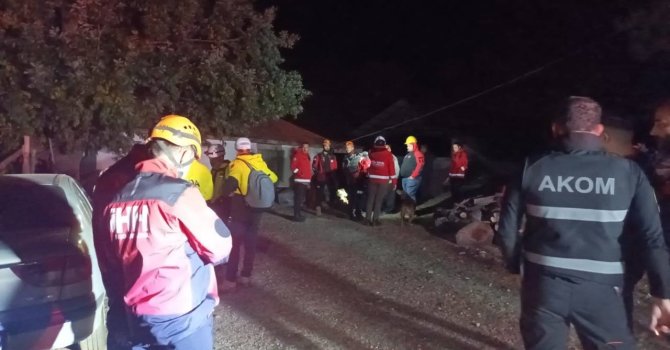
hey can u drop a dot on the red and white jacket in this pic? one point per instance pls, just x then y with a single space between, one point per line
166 241
301 167
324 163
459 164
382 166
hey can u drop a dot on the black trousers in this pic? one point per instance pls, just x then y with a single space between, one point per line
299 195
549 304
244 225
327 187
389 200
456 184
356 195
376 194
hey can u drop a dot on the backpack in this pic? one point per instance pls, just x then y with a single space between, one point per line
260 189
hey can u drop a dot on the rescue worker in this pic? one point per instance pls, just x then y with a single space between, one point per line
200 176
324 167
354 177
164 241
575 201
380 176
457 170
217 154
244 220
108 185
204 159
411 168
302 175
657 165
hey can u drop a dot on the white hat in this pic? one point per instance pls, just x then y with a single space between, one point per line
380 140
243 143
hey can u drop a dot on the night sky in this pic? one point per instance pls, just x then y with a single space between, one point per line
358 57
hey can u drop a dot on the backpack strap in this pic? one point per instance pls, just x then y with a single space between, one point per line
247 163
251 168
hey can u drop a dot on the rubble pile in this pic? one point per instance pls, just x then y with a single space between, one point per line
476 217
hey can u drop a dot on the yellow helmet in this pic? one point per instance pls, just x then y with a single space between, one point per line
178 130
410 139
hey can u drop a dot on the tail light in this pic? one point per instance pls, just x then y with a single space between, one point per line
74 266
43 273
78 265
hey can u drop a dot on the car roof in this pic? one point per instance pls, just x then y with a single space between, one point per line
42 179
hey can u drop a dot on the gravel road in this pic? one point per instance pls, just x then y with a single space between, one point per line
330 283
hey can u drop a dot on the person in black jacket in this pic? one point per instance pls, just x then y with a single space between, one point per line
575 201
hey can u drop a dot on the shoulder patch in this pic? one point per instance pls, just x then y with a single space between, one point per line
153 186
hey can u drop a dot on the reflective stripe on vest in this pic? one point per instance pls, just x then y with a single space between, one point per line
456 175
380 177
577 214
303 180
585 265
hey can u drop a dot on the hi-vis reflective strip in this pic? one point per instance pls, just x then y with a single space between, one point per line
456 175
585 265
303 180
380 177
577 214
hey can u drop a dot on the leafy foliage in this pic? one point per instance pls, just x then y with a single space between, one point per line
89 72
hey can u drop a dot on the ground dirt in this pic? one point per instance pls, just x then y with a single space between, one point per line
330 283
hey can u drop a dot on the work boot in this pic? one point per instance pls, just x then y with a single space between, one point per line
299 218
377 223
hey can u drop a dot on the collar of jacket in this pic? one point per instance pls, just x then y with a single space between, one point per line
156 165
578 141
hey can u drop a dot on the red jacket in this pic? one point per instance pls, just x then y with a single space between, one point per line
301 167
459 164
412 164
382 166
166 240
324 164
111 181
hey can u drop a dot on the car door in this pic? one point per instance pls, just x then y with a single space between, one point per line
81 272
35 223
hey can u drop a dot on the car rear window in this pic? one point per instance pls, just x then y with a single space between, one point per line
25 205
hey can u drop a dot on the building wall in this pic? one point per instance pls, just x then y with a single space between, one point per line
277 156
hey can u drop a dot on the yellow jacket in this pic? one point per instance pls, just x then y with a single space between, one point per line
240 171
201 177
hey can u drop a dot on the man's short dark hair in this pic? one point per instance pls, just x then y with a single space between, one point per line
579 114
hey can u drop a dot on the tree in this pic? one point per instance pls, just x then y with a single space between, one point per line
91 72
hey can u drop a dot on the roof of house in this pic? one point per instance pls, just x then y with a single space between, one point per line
282 131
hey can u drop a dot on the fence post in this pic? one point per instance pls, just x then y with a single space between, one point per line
26 154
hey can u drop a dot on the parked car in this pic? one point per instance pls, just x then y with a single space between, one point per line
51 291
